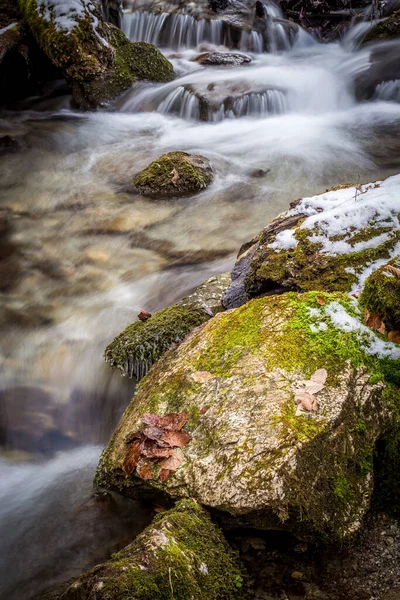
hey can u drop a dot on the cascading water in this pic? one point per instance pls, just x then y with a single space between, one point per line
86 252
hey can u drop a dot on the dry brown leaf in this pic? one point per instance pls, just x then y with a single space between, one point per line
155 451
172 463
145 472
393 270
306 401
171 422
176 439
153 433
132 457
204 410
143 315
320 376
175 176
138 435
382 329
394 336
165 474
372 320
321 300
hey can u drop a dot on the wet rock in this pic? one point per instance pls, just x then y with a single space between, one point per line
385 30
254 452
181 551
141 344
175 174
327 242
97 60
232 59
384 67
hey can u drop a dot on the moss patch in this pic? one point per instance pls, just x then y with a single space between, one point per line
181 555
175 174
381 296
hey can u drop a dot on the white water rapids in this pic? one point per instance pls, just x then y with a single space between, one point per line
88 252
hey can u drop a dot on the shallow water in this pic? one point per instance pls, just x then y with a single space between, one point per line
86 253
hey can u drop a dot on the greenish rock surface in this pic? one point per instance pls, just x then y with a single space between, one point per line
386 29
255 452
181 555
175 174
328 242
381 294
96 58
142 343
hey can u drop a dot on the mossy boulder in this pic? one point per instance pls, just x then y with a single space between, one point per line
181 555
253 451
328 242
175 174
96 58
381 295
142 343
387 29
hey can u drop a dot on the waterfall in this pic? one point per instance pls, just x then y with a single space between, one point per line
182 103
174 31
388 91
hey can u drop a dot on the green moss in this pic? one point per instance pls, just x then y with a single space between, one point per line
175 174
385 30
180 556
143 343
381 296
98 63
306 268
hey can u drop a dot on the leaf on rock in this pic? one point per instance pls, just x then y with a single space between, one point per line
177 439
320 376
393 270
143 315
165 474
132 458
155 451
138 435
372 320
172 463
204 410
146 472
306 401
394 336
153 433
171 422
175 176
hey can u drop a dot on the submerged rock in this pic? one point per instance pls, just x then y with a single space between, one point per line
329 242
96 58
286 398
231 59
180 555
175 174
141 344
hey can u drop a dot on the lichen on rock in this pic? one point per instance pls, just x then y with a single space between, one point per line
329 242
96 58
252 452
142 343
175 174
180 555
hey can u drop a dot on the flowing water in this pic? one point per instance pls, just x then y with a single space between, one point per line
84 253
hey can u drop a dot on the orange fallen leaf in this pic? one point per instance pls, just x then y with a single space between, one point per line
372 320
393 270
204 410
146 472
177 439
320 300
143 315
132 458
165 474
394 336
171 422
172 463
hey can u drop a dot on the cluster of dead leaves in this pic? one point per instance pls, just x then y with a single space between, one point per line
155 444
306 390
374 321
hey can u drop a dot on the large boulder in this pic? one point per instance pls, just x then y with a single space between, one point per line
282 402
96 58
180 555
329 242
175 174
142 343
381 298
